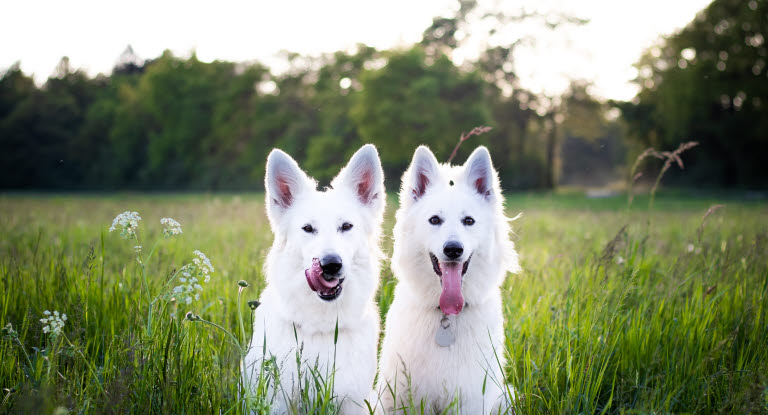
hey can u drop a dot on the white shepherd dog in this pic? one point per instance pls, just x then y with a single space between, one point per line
323 268
444 330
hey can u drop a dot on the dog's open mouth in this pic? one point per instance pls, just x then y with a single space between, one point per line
436 266
326 289
451 274
333 293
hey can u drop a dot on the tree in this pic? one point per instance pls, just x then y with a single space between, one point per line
409 102
180 96
337 86
709 83
40 132
590 144
513 114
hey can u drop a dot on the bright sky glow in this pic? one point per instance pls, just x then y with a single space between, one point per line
94 33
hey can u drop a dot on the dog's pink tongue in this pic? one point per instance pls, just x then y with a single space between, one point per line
451 300
314 275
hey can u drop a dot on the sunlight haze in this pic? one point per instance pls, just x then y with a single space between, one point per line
93 34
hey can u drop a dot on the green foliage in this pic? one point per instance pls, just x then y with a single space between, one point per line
413 101
39 132
666 319
179 123
708 83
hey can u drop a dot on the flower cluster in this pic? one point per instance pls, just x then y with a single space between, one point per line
203 264
9 332
171 227
127 222
190 288
54 322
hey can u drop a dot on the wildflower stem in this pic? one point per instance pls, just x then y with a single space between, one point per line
149 300
170 280
152 251
234 340
25 352
240 312
87 363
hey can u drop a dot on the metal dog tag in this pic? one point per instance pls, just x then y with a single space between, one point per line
444 334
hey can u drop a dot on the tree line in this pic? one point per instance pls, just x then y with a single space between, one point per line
180 123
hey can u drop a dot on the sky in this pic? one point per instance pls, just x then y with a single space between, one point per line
93 34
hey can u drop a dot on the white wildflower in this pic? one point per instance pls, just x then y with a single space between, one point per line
127 222
137 248
620 260
204 265
53 322
690 247
171 227
190 275
189 289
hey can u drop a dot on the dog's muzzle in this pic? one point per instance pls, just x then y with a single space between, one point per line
323 277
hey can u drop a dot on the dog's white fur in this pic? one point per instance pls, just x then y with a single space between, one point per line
413 368
356 196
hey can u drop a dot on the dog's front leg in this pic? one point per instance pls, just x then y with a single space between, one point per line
352 387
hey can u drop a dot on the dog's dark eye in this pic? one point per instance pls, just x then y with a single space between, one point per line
308 228
468 221
435 220
346 226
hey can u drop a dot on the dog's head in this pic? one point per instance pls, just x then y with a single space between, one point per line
452 243
326 242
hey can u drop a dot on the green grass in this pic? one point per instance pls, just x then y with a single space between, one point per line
650 319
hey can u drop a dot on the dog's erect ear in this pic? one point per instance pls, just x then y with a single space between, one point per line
364 176
284 182
421 174
478 171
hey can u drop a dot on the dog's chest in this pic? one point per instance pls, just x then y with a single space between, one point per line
445 336
436 347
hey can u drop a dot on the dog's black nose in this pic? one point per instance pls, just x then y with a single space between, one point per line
453 249
331 265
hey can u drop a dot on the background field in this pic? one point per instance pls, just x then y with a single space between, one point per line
617 310
657 317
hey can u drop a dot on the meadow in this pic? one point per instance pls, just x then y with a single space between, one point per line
618 310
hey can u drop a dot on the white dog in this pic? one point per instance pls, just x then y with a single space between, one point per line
322 270
444 340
